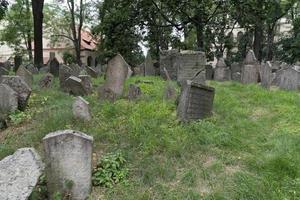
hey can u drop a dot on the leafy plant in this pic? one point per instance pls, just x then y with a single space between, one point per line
18 117
110 170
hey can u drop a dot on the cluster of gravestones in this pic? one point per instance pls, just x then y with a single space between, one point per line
251 71
68 168
15 90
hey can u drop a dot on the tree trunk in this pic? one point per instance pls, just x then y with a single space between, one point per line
37 10
200 37
258 40
271 36
29 37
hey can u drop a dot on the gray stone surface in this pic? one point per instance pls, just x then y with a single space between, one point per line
87 83
250 58
8 101
32 69
209 72
54 67
20 87
46 81
236 76
195 102
130 72
149 66
25 75
288 79
134 92
68 157
81 109
93 73
19 174
167 61
266 75
250 74
222 72
64 74
18 62
75 86
4 69
235 67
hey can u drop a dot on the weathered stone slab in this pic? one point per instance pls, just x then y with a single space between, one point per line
75 69
18 62
236 76
288 79
149 66
134 92
249 74
266 75
130 73
209 72
20 87
75 86
93 73
25 75
167 61
3 71
46 81
8 101
64 74
235 67
196 102
250 58
222 72
69 159
87 83
19 174
116 75
81 109
54 67
32 69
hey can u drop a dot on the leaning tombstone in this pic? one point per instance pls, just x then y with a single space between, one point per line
19 174
8 101
209 72
149 66
81 109
222 71
54 67
266 75
32 69
289 79
64 74
3 70
196 102
68 157
93 73
134 92
25 75
18 62
87 83
20 87
250 71
74 86
116 75
46 81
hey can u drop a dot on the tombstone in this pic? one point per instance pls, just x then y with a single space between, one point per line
116 75
149 66
209 72
236 76
199 78
87 83
64 74
46 81
222 72
196 102
32 69
25 75
167 61
81 109
3 70
134 92
170 92
68 156
74 86
8 101
19 174
266 75
44 69
51 55
250 71
289 79
93 73
54 67
235 67
18 62
20 87
75 69
130 73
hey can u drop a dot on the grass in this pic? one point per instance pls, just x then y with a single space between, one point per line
249 149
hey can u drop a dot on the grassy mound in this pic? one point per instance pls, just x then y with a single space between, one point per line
249 149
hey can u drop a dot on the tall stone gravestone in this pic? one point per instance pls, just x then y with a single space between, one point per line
68 157
64 74
266 75
19 174
250 72
222 72
167 61
20 87
54 67
116 75
149 66
25 75
209 71
289 79
235 71
196 102
18 62
8 101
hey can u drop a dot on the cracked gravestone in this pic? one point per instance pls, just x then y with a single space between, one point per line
68 156
25 75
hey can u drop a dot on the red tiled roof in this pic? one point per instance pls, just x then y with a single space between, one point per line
88 41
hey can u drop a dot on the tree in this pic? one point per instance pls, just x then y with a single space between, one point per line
37 10
3 8
19 27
